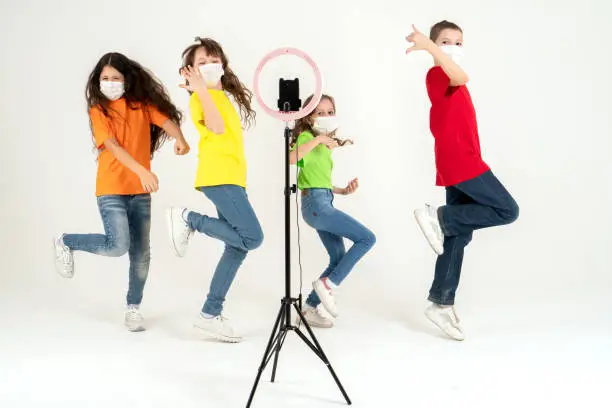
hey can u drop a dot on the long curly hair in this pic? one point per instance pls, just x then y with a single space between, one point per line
229 81
306 123
142 88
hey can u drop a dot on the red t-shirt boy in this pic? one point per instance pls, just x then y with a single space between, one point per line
474 196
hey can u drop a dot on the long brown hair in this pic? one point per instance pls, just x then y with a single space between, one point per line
142 88
230 82
306 123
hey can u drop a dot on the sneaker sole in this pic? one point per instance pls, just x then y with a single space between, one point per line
208 335
135 329
58 270
450 336
169 225
438 251
320 292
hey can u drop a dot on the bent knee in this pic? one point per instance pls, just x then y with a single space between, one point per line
512 214
117 251
369 239
117 248
254 240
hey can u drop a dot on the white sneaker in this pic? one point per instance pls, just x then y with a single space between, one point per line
179 231
216 328
133 319
427 218
446 319
326 296
64 259
315 317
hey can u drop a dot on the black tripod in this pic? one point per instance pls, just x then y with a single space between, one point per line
283 322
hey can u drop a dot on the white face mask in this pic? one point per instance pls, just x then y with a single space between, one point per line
453 51
212 73
325 124
112 90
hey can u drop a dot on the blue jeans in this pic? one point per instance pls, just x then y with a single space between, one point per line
333 225
481 202
238 227
127 226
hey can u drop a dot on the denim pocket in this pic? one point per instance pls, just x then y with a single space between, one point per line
315 204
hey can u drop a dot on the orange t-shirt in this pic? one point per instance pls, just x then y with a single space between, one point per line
130 126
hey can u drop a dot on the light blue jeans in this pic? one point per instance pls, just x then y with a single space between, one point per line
333 225
237 226
127 226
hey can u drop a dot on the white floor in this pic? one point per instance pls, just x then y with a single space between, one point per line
66 354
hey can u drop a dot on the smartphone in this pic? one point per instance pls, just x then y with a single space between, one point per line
289 95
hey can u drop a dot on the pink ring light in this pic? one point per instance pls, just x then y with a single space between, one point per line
289 116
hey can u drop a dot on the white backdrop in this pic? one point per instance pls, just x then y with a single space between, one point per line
539 74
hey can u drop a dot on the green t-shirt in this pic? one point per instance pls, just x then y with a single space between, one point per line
316 167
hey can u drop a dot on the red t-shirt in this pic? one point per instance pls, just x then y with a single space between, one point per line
452 120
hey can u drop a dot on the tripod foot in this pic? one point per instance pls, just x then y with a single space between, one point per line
277 339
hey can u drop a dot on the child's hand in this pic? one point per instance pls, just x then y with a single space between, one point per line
420 40
149 181
193 77
181 147
327 141
353 185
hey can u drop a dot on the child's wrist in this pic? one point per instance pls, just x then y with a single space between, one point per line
201 90
431 46
141 171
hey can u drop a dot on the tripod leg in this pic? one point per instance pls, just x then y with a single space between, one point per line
279 345
266 353
321 354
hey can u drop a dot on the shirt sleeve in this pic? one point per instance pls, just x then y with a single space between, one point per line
303 137
100 125
438 83
156 117
197 114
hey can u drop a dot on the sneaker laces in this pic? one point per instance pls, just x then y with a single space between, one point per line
133 313
221 319
186 236
433 213
66 259
327 287
453 316
64 255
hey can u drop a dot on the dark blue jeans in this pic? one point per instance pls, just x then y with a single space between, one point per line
481 202
237 226
333 226
127 227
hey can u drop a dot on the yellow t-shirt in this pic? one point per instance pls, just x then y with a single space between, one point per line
221 157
